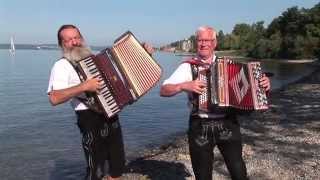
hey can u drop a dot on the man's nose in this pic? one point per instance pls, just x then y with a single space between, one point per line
75 42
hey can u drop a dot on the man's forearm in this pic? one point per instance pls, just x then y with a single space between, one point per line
60 96
170 90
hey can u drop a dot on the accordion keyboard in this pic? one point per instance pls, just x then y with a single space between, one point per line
203 98
105 96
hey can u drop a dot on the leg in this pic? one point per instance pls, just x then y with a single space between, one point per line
232 154
115 149
201 151
90 124
91 147
231 151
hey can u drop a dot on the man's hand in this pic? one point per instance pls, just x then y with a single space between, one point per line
148 48
265 82
91 85
196 86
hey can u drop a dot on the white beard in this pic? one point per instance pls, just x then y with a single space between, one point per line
77 53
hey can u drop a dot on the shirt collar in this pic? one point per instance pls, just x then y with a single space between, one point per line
212 60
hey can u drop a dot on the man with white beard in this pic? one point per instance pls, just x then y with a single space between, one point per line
101 138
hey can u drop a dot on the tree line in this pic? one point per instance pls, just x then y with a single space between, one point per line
293 35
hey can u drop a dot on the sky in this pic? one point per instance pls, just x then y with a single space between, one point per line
157 22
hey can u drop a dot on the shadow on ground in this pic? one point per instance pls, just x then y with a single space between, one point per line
158 170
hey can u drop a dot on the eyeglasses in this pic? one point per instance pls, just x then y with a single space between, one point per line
205 40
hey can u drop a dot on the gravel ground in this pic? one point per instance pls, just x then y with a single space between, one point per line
281 143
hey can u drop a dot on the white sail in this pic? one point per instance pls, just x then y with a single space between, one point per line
12 48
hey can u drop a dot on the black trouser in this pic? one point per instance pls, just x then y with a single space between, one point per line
102 144
204 135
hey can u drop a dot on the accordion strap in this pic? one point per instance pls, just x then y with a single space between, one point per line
193 97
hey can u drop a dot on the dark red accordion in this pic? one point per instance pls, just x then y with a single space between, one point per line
234 85
126 71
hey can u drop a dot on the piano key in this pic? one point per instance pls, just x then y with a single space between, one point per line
93 71
105 91
90 65
107 96
98 76
103 86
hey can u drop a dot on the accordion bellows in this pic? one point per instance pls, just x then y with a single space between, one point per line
126 71
232 84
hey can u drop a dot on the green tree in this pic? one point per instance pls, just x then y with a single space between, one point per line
253 38
294 34
220 39
231 41
242 33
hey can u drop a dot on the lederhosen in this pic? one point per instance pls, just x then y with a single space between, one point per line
206 133
102 140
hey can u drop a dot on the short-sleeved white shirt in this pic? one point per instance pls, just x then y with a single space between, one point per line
184 74
63 76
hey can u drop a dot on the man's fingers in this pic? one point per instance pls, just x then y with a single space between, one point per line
264 82
198 91
200 83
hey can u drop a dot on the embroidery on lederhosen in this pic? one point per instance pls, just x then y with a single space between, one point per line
218 127
105 131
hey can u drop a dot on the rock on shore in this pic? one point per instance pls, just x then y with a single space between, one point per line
281 143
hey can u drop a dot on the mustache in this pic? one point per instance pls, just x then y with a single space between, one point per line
77 53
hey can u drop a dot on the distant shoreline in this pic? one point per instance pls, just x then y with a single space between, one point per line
242 57
296 60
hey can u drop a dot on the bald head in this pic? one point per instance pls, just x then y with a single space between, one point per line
63 28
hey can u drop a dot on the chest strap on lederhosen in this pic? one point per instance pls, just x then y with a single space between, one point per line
89 99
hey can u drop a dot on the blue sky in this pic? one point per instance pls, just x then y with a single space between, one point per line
154 21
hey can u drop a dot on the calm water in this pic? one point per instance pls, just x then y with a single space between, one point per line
39 141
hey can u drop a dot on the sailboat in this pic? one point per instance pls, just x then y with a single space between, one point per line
12 48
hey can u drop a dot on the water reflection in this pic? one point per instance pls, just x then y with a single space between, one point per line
285 73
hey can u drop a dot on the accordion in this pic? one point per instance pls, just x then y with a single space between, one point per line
231 84
126 72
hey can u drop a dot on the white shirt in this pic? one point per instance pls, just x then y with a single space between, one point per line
184 74
63 76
